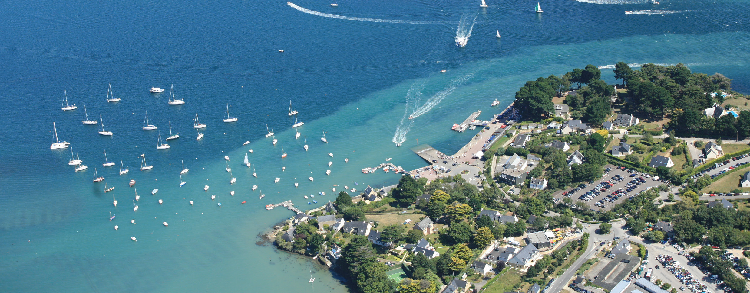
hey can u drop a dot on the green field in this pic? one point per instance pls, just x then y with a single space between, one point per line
396 275
729 182
504 282
731 148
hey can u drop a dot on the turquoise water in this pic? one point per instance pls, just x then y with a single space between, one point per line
355 71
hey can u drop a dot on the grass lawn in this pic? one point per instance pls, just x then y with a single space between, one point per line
585 266
738 102
729 182
504 282
395 218
743 205
678 160
396 275
731 148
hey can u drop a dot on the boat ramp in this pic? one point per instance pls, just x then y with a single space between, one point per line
464 125
430 154
287 204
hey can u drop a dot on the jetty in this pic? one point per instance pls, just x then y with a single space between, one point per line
428 153
385 166
287 204
464 125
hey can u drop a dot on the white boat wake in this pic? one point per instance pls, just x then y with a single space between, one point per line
615 1
655 12
413 99
367 19
462 33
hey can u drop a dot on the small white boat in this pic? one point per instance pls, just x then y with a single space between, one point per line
153 192
231 193
274 141
133 238
182 183
145 166
255 187
123 170
306 147
354 190
81 168
137 197
333 189
184 170
388 159
165 224
108 189
296 184
246 161
111 96
191 202
306 197
114 200
483 5
297 134
135 208
161 201
117 227
538 8
66 106
226 158
346 160
292 112
334 5
247 142
132 182
73 160
205 188
172 136
197 124
87 121
270 132
172 100
330 163
297 124
97 178
322 193
311 179
255 174
229 119
283 155
107 163
200 136
276 180
146 125
58 144
323 139
330 155
328 172
160 145
132 221
250 151
156 90
213 196
283 169
497 34
233 180
102 131
495 102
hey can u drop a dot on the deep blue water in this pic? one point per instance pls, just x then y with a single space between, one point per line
355 71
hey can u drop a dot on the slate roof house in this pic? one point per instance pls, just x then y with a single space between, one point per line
374 237
539 240
563 146
575 126
665 227
621 150
745 182
501 255
426 226
625 120
457 286
575 158
498 217
423 247
326 220
661 161
622 247
524 257
359 228
521 140
481 268
713 150
331 208
562 110
289 234
723 203
715 112
423 199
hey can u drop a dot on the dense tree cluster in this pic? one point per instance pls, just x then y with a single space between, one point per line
717 265
359 265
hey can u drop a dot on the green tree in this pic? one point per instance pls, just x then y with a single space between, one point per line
590 73
407 191
622 71
534 100
435 209
354 214
597 142
343 200
413 236
605 228
655 236
392 233
457 212
373 279
483 237
598 110
458 233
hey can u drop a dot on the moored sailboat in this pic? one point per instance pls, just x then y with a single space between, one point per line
146 125
229 119
111 96
102 131
197 124
107 163
58 144
538 8
66 106
86 115
172 136
172 99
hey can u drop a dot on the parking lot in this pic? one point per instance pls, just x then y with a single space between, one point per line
617 185
723 167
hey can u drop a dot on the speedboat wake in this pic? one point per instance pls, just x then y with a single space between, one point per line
367 19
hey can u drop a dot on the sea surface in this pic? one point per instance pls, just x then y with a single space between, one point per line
354 72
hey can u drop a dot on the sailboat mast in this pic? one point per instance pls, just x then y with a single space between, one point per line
55 127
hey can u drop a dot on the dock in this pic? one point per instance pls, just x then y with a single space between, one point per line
428 153
464 125
287 204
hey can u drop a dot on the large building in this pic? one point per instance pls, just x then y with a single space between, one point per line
357 227
514 170
521 140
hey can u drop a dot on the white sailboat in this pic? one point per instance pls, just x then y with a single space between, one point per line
305 146
66 106
161 145
233 181
247 162
297 124
184 170
81 168
270 133
538 8
323 139
229 119
483 5
205 188
497 33
255 174
107 163
137 197
276 180
292 112
274 141
146 125
297 134
197 124
86 114
114 200
200 136
172 136
255 187
182 183
73 161
123 170
145 166
108 189
102 131
172 100
97 178
153 192
58 144
111 96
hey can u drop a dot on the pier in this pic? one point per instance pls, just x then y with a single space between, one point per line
430 154
287 204
462 127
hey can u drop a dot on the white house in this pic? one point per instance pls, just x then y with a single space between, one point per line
538 183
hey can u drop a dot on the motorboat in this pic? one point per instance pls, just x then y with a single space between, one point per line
86 115
153 192
231 193
197 124
156 90
66 106
250 151
102 131
229 119
296 184
114 200
283 155
497 34
200 136
172 136
191 202
255 174
161 202
182 183
205 188
330 155
111 96
269 207
330 163
334 5
297 134
226 158
495 102
146 125
276 180
58 144
311 179
160 145
274 141
346 160
123 170
107 163
213 196
117 227
233 181
137 197
247 142
255 187
297 123
165 224
81 168
283 168
172 99
135 208
328 172
306 147
261 196
133 238
132 182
